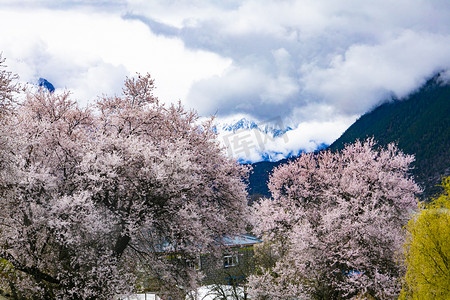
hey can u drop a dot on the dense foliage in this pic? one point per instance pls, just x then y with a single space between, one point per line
427 250
94 199
334 226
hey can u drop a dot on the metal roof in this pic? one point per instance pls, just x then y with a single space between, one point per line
240 240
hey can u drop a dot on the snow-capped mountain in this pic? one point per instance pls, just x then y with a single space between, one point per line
44 83
274 127
249 141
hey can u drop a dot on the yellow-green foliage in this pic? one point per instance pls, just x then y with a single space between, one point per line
5 267
427 250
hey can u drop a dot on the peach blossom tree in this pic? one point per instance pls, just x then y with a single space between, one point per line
334 226
100 196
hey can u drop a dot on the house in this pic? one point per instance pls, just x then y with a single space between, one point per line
231 267
235 264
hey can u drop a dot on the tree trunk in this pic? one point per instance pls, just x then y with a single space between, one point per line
121 245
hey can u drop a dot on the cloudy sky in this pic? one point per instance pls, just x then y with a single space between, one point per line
316 65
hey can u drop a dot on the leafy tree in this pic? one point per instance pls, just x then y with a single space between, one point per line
427 250
334 226
100 195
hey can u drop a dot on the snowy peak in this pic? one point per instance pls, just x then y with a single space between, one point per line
45 84
274 127
249 140
240 124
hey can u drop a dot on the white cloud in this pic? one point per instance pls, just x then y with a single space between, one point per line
247 90
367 74
89 52
445 77
348 54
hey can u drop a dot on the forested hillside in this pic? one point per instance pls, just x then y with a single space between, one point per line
259 176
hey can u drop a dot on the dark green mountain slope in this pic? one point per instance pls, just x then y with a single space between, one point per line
420 124
259 177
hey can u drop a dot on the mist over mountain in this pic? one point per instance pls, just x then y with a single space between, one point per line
275 130
250 141
418 123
